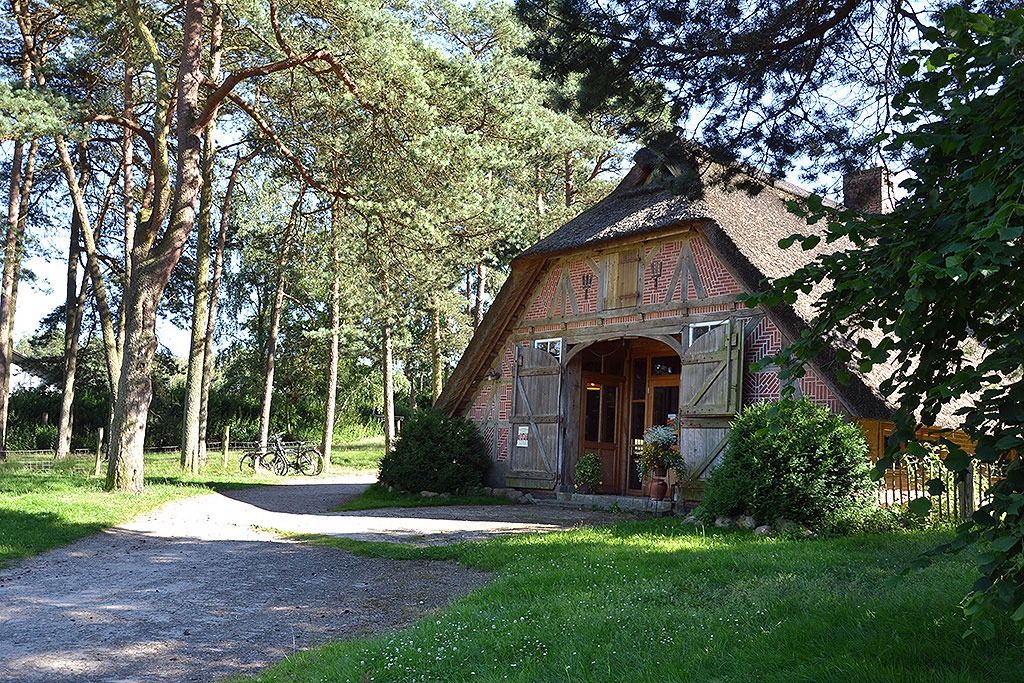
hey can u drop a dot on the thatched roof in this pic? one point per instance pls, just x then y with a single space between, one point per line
742 214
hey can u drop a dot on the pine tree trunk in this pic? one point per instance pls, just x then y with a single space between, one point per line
387 350
275 323
151 269
435 354
12 254
481 292
128 183
190 447
75 189
332 367
135 388
73 306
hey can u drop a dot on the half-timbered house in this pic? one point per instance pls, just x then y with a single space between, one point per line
626 317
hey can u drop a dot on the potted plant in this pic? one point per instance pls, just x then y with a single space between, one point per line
658 451
588 473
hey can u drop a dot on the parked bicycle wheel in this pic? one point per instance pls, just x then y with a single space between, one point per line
276 463
248 461
309 463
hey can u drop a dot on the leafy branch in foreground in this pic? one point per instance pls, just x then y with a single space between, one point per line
931 294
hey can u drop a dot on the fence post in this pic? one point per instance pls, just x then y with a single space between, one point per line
966 485
99 452
224 445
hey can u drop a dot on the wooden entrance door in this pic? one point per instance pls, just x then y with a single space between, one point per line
654 400
600 408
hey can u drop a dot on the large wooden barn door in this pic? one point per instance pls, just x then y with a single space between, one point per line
535 420
711 378
711 384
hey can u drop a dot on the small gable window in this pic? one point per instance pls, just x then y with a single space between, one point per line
698 330
552 346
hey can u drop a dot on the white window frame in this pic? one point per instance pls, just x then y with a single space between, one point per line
710 323
545 344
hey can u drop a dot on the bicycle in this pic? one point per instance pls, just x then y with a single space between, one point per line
306 461
254 459
281 460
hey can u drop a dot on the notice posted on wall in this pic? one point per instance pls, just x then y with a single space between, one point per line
523 436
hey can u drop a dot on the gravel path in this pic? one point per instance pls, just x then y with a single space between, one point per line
203 587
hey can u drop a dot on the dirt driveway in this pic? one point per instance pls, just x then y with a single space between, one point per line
203 588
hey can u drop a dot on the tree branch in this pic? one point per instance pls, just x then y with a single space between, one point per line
124 123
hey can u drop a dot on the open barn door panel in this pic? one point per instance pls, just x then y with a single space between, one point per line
711 385
533 462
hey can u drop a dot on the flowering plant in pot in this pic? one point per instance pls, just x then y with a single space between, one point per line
658 453
588 473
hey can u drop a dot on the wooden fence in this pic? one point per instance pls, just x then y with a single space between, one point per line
84 461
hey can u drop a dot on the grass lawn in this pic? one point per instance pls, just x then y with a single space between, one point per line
357 455
40 510
376 496
652 601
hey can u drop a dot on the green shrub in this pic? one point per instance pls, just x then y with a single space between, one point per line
588 472
435 452
793 460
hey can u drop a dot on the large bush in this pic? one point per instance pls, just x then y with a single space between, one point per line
435 452
792 460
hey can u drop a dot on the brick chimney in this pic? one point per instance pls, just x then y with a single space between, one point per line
871 190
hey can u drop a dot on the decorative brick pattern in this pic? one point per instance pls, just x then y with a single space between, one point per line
583 323
540 307
622 319
760 386
765 340
478 411
717 308
813 388
541 329
584 281
675 313
716 279
664 264
507 361
505 403
502 444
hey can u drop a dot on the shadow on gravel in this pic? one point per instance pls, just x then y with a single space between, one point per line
129 605
297 498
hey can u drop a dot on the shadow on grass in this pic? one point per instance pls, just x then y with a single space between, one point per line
23 534
218 486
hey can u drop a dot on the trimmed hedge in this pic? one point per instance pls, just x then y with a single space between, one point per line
792 460
436 452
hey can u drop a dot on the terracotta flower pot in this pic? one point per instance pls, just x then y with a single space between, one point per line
658 489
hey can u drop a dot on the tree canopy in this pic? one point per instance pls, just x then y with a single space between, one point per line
934 288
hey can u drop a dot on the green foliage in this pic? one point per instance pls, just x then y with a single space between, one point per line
436 452
926 288
588 472
654 601
791 460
